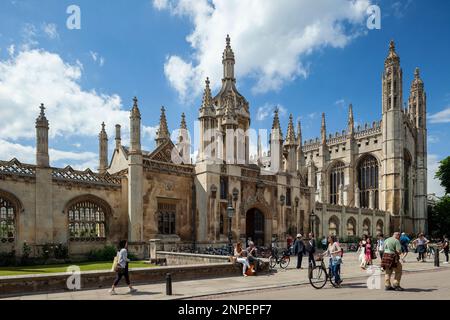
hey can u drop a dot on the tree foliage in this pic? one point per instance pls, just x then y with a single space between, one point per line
439 219
443 174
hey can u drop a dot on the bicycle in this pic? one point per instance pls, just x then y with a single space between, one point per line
430 252
282 260
319 276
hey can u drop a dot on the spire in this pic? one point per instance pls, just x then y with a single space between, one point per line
392 57
276 120
135 128
299 133
324 130
290 135
351 121
183 122
228 61
207 101
42 157
163 132
135 110
103 150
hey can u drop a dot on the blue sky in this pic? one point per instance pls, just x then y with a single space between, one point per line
141 48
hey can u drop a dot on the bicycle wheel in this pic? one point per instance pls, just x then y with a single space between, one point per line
272 262
284 262
318 277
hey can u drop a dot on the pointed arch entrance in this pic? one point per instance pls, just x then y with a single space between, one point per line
255 226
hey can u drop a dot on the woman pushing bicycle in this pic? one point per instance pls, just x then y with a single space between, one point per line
334 252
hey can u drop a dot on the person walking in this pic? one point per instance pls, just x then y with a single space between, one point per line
445 248
122 267
380 246
404 242
239 254
362 252
391 262
421 243
311 249
334 252
299 250
368 252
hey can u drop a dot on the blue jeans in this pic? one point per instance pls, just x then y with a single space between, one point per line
335 270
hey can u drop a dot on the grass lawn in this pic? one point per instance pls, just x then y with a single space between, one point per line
84 266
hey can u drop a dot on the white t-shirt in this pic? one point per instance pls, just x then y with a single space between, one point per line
123 257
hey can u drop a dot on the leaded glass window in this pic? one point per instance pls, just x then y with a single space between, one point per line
81 221
7 220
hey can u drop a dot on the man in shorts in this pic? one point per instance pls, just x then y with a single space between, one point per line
404 242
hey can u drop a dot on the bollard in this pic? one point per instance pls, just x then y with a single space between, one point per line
436 257
168 284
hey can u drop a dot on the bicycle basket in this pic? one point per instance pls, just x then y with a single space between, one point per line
318 258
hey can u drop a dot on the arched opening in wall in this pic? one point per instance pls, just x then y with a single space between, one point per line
351 227
336 179
380 227
366 227
9 209
368 181
333 226
254 225
87 217
407 182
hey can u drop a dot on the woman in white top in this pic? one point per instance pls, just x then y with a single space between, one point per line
334 251
239 254
122 267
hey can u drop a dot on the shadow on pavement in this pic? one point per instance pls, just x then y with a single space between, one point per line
418 290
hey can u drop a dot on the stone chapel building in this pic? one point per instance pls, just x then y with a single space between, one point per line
364 180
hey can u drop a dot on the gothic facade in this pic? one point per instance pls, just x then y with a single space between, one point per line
364 180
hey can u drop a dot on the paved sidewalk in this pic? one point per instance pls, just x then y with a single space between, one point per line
207 287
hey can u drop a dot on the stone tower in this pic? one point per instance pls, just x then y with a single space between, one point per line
103 150
208 126
135 177
276 145
44 192
417 113
392 142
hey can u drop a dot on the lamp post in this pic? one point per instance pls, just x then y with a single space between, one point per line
230 211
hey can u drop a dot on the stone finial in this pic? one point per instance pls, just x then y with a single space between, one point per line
392 56
299 133
290 135
207 103
135 113
103 150
163 132
183 122
118 136
42 155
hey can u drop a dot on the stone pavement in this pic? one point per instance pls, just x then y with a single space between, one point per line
209 287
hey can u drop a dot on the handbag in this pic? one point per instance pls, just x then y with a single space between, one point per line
115 264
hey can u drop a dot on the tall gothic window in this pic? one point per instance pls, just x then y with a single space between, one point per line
407 175
336 179
7 220
87 221
166 218
368 181
223 188
288 197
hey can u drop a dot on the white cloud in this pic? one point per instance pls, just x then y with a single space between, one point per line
340 103
267 110
441 117
271 39
434 185
11 50
37 76
97 58
50 30
433 139
160 4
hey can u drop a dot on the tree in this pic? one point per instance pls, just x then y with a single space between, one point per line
439 218
443 174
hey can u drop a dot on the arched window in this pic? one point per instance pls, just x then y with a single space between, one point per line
366 227
166 218
333 226
87 220
8 212
351 227
407 182
368 181
336 179
380 227
223 188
